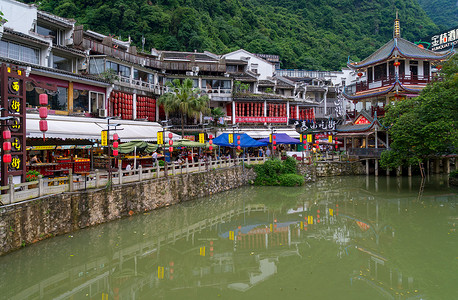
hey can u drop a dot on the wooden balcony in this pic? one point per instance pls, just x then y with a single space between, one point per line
390 80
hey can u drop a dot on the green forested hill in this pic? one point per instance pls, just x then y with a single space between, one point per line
443 12
309 34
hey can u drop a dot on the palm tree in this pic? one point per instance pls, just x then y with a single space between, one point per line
185 99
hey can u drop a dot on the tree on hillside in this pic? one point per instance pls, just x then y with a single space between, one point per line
425 126
184 99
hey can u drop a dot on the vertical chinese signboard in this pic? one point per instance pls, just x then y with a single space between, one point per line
13 99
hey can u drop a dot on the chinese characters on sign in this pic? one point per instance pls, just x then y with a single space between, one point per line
260 119
160 138
313 125
104 138
441 41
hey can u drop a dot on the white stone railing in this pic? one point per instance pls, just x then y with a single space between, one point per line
48 186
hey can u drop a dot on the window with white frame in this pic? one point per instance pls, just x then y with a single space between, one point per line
19 52
96 101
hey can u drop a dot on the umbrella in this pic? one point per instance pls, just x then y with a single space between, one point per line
136 145
282 138
245 141
188 143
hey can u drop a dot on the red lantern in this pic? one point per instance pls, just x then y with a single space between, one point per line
43 112
43 126
6 146
360 74
275 142
274 137
115 152
43 99
115 145
275 147
210 136
170 142
170 135
6 134
170 149
238 137
211 148
396 64
238 142
210 142
115 137
7 158
238 147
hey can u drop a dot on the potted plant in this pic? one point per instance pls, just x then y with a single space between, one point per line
32 175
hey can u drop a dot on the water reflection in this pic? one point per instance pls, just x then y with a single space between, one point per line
345 238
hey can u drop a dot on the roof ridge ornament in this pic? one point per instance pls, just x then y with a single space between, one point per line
397 27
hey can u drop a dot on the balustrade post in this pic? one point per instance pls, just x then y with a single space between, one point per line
120 173
187 165
97 178
173 169
199 163
158 169
11 184
40 186
210 161
70 180
140 172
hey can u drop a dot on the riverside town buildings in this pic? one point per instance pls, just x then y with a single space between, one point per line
89 76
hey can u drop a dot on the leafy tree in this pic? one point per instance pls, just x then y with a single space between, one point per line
425 126
318 34
185 99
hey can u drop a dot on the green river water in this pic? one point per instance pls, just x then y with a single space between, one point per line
339 238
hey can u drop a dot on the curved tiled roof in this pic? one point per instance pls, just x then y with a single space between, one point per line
401 47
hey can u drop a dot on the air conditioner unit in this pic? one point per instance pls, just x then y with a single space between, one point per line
189 73
68 42
226 75
102 113
195 69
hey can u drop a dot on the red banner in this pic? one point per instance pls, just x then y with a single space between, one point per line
260 119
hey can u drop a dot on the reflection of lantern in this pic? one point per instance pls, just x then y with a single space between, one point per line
396 64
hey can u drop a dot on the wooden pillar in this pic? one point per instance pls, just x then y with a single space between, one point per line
398 171
367 166
70 97
387 171
376 167
437 166
447 165
409 171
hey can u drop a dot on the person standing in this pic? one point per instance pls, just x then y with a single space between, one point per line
268 152
261 152
154 157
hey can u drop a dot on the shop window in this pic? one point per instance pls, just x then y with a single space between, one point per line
96 102
80 100
59 100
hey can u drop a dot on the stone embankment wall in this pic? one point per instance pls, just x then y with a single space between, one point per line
28 222
324 169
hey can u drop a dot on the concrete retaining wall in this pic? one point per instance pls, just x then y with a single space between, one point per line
28 222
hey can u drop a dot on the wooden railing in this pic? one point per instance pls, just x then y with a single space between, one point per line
387 81
14 193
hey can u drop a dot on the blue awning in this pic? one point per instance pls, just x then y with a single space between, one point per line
245 141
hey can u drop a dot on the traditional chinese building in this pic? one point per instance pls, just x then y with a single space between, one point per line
399 69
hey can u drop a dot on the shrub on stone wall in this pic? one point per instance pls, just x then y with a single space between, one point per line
277 172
